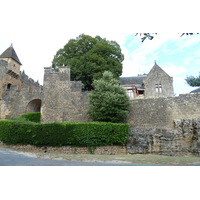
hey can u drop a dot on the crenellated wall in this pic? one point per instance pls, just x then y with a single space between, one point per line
63 99
16 102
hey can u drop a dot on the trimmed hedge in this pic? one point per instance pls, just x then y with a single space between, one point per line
33 117
62 134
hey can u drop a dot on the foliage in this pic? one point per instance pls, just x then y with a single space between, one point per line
62 134
145 36
193 81
33 117
150 36
109 101
89 57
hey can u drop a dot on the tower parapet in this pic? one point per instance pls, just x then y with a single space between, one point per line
63 99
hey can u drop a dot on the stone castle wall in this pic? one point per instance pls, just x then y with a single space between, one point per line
160 112
63 99
18 93
159 125
16 102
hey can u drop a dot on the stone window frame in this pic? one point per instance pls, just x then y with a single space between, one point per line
158 88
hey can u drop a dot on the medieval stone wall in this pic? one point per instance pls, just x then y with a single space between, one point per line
15 102
160 112
63 99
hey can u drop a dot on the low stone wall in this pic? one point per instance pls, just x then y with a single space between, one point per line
104 150
184 138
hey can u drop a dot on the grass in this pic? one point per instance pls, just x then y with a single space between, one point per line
149 159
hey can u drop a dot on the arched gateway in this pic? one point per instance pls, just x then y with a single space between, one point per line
34 106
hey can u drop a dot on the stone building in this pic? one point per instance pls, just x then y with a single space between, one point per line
18 93
10 69
157 83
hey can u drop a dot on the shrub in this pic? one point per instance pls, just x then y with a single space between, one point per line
33 116
108 101
62 134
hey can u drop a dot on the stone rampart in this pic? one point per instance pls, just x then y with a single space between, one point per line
14 102
63 99
161 112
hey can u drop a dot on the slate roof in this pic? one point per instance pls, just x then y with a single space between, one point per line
194 91
134 80
10 53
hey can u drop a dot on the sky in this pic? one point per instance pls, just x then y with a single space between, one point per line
38 29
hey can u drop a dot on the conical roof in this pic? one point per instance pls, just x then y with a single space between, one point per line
10 53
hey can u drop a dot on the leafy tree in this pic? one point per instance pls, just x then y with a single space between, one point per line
108 101
193 81
89 57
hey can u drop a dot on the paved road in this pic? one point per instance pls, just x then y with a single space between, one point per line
9 157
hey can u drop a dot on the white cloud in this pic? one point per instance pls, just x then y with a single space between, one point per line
174 70
181 87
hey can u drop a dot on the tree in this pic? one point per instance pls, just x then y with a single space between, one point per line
108 101
193 81
89 57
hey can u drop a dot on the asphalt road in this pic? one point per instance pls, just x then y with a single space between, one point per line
9 157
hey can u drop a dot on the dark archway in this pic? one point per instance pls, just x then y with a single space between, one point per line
34 106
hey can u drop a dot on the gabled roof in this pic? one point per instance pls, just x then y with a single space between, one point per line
134 80
157 68
194 91
10 53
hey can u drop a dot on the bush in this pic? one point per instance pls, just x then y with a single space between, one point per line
33 117
62 134
108 101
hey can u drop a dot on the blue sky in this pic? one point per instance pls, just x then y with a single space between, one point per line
178 56
38 29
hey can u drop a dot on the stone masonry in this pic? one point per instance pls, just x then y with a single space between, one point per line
184 138
160 112
63 99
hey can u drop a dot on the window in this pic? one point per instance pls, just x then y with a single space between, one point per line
8 86
158 88
130 93
140 92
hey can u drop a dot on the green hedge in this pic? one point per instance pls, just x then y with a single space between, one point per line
33 117
62 134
